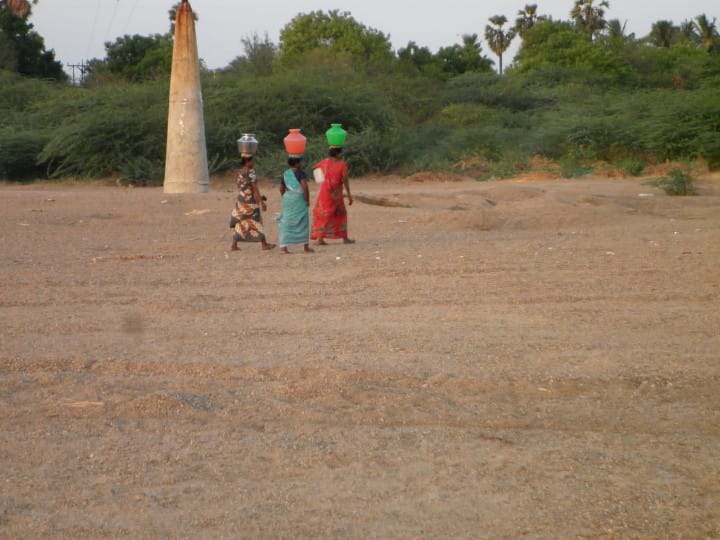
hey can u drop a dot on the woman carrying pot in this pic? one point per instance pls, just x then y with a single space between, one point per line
330 220
294 222
246 219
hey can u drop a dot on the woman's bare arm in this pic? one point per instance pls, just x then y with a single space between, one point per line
306 191
258 197
346 183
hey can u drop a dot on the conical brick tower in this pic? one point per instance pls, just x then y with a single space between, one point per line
186 167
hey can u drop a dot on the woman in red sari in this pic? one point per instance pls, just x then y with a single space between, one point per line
330 214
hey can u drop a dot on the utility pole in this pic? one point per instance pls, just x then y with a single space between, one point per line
82 67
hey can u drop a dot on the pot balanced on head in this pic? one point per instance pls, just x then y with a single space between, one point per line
247 145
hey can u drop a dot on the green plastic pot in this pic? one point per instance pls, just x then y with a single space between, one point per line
336 135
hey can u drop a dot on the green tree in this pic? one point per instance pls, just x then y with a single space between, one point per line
708 33
498 39
663 34
259 58
616 30
416 55
471 54
336 32
23 49
563 49
134 58
261 54
450 60
463 58
589 17
688 32
8 58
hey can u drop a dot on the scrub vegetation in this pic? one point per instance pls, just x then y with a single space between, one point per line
580 93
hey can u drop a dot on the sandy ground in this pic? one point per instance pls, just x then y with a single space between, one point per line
489 360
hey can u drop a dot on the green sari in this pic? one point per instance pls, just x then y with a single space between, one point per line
294 222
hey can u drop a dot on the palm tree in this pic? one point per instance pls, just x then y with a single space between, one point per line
689 32
615 32
498 39
21 8
663 34
589 17
708 33
527 18
615 29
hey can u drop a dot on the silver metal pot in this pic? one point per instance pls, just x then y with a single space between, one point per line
248 144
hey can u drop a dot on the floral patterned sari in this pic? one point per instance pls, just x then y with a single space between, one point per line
246 218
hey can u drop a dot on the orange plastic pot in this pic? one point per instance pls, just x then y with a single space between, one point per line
295 143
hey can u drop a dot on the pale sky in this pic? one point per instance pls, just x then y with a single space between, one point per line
78 29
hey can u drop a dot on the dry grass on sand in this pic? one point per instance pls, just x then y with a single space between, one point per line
489 360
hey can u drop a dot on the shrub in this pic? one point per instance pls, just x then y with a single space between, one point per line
508 92
430 146
571 167
681 124
113 129
507 167
19 93
575 111
371 152
268 106
633 167
18 154
677 182
141 171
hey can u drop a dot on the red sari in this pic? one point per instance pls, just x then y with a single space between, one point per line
329 214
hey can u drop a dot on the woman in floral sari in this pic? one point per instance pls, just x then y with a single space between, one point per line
246 218
330 214
294 222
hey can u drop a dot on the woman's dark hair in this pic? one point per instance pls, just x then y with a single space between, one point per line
245 159
292 161
336 151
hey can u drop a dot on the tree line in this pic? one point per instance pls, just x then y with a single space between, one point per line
568 96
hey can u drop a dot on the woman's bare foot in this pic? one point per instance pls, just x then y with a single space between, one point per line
348 241
266 246
234 247
321 242
284 250
308 249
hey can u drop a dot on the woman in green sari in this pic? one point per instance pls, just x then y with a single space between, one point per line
294 222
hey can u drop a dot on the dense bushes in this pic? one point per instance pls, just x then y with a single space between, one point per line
268 106
628 105
18 153
113 130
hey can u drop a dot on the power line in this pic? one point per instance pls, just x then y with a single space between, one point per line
112 20
82 67
94 26
129 19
